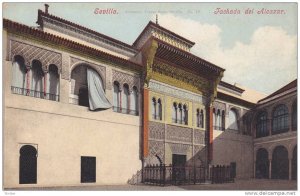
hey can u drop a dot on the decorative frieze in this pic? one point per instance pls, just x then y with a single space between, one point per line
199 137
179 134
156 130
31 52
169 90
179 148
123 78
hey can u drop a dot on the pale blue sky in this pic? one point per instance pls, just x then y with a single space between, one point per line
133 17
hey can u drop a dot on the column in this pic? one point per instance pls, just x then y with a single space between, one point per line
290 169
64 83
269 127
270 168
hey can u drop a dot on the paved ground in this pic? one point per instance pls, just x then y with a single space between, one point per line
252 184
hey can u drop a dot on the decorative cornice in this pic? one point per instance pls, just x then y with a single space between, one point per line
149 51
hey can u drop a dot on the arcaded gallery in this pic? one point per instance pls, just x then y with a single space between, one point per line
92 109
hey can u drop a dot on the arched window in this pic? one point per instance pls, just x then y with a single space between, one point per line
37 77
218 120
233 120
280 120
52 83
125 99
18 83
179 113
199 118
261 125
28 165
116 97
294 116
214 119
223 121
159 108
134 101
174 113
185 115
153 106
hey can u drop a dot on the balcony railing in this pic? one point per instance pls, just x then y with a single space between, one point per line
33 93
125 111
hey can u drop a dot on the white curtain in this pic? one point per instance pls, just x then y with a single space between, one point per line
97 99
153 108
174 114
18 77
36 81
233 120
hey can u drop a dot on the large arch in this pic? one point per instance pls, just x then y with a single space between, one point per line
28 165
280 163
262 163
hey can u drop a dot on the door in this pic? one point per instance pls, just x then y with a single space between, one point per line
178 162
88 169
83 97
28 165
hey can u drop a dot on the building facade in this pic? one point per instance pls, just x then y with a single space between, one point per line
95 110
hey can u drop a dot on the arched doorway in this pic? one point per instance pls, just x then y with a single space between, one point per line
294 164
28 165
280 163
262 164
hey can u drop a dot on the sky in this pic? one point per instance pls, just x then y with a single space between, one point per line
258 51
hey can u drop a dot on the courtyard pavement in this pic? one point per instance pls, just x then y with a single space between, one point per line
252 184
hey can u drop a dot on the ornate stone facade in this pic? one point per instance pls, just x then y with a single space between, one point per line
156 130
156 149
179 148
199 137
31 52
124 78
180 134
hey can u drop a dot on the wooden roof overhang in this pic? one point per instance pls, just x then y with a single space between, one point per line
59 42
187 61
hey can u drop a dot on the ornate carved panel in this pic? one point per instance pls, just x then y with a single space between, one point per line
219 105
156 130
176 92
180 134
157 148
179 148
199 137
100 69
123 78
31 52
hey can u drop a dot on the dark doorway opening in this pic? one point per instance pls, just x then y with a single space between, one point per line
88 169
262 164
84 96
178 162
28 165
280 163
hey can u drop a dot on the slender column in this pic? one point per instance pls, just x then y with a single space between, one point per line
270 168
145 121
290 169
28 81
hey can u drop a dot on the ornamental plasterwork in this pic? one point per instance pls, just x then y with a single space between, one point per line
124 78
219 105
179 78
165 89
88 37
199 137
198 148
179 134
100 69
156 130
156 148
31 52
179 148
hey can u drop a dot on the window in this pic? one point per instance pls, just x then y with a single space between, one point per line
174 113
179 114
18 84
233 119
37 79
159 108
125 99
223 120
87 88
218 119
280 120
52 83
88 169
261 125
116 97
214 119
134 101
294 116
153 108
28 165
185 115
199 118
